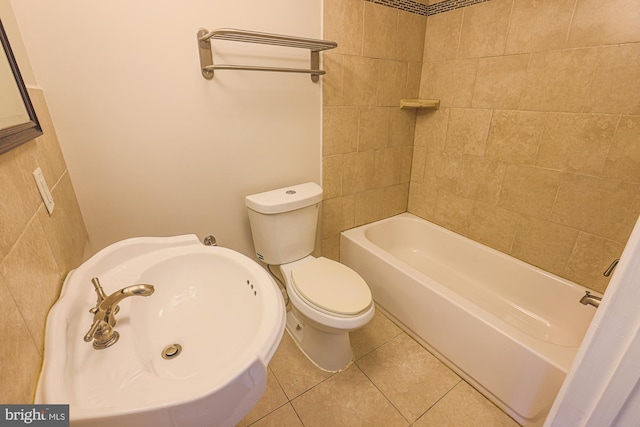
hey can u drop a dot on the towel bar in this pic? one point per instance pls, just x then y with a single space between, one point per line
206 57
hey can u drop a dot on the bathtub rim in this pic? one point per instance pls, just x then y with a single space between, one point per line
557 355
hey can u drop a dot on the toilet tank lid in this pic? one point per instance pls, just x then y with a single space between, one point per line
285 199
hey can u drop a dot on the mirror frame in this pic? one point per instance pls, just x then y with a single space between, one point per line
13 136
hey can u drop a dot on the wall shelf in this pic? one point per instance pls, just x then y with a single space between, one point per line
425 104
206 57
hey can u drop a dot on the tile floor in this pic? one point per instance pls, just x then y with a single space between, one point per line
394 381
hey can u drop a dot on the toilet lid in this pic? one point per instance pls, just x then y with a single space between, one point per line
331 286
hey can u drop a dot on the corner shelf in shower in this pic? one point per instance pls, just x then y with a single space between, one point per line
424 104
206 57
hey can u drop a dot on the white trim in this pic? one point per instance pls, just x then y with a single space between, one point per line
603 385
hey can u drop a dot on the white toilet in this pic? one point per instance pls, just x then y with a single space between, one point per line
328 299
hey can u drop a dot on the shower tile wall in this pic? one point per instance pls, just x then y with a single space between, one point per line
368 140
536 148
36 252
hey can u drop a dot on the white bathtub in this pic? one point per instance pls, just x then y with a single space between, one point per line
507 327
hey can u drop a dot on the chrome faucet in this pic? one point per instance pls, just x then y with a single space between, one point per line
589 299
102 332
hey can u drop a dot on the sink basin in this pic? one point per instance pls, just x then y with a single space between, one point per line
215 314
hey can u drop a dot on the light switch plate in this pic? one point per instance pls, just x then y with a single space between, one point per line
44 190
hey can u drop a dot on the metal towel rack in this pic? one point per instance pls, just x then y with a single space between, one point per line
206 57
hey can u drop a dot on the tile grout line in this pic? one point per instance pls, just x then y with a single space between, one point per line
460 380
381 392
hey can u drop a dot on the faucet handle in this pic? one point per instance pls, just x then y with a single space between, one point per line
101 297
96 325
94 310
102 334
99 290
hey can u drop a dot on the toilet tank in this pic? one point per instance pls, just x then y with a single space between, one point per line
283 222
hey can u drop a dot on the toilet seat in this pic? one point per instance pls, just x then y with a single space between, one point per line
331 286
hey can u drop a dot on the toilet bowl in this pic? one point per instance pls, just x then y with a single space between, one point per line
328 299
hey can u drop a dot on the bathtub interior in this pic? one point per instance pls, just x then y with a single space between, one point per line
534 301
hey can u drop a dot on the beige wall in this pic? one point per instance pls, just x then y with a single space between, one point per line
36 249
367 139
153 148
536 149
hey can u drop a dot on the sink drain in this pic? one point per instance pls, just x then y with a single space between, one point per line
171 351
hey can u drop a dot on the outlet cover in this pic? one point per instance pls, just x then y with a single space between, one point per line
44 190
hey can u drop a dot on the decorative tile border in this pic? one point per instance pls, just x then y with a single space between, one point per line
426 10
406 5
447 5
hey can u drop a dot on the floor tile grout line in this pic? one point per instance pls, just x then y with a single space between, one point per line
271 412
376 348
352 364
460 380
382 393
356 362
289 399
296 412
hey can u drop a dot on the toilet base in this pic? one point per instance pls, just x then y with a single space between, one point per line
329 351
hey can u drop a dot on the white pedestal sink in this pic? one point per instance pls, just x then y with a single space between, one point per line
223 311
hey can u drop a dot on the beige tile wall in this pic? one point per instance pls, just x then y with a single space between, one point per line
368 140
36 252
536 149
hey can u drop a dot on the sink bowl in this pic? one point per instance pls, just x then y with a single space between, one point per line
216 316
